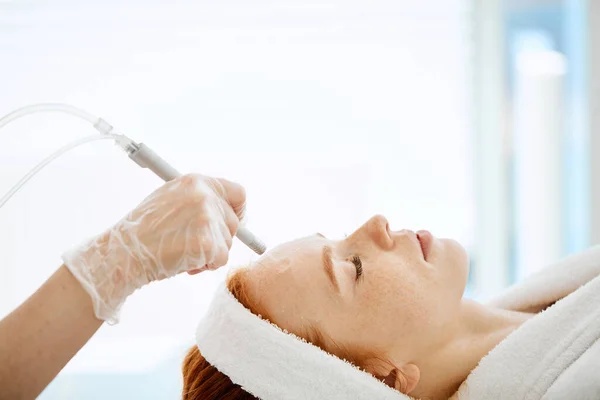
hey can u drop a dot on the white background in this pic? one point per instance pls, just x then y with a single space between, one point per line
327 112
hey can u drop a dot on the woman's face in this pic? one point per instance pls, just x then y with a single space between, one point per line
399 304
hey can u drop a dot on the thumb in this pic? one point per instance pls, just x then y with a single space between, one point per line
235 195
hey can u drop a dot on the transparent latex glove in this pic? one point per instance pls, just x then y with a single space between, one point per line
186 225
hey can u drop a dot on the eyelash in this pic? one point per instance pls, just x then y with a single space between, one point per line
358 264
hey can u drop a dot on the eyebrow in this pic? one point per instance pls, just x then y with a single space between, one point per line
328 267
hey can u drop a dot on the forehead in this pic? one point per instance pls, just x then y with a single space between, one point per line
288 273
288 268
297 251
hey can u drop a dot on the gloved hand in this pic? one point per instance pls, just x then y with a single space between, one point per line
186 225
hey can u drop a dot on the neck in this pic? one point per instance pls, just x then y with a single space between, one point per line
474 334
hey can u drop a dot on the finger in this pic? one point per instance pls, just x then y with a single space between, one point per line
226 235
221 257
188 181
196 271
231 220
235 195
228 242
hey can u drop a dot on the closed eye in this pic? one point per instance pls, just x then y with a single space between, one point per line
359 268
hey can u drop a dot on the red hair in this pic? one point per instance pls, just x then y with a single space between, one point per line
202 381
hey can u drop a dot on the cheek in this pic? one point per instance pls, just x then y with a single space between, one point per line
398 297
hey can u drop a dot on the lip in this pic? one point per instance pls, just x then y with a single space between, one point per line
426 240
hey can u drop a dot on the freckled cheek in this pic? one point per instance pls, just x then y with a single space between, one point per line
398 298
389 285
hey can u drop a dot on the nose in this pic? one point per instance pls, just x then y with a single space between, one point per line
377 230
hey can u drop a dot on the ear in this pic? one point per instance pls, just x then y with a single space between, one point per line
403 379
407 378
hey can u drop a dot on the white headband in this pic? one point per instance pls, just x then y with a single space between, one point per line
275 365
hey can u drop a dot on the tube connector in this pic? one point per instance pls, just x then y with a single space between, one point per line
103 127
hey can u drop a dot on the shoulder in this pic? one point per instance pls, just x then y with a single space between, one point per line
551 283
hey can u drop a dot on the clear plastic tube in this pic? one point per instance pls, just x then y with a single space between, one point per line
51 158
101 126
52 107
106 132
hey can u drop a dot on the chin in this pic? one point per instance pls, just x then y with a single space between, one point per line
457 261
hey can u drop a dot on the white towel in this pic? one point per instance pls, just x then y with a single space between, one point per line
276 365
555 354
551 283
